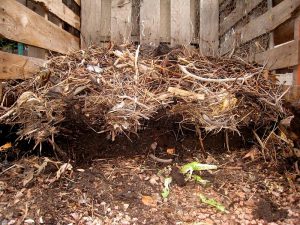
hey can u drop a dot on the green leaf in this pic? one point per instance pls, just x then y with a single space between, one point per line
166 191
212 202
195 166
199 179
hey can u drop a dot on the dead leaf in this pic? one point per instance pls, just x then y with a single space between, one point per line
5 146
29 177
63 168
149 201
252 154
171 151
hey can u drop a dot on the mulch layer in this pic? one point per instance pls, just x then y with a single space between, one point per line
127 190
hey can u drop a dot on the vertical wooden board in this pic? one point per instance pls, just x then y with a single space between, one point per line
271 35
105 20
209 27
35 51
150 22
90 22
195 20
165 21
297 39
135 18
121 25
180 22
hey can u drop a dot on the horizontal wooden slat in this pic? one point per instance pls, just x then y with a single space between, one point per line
261 25
58 8
20 24
243 8
18 67
280 57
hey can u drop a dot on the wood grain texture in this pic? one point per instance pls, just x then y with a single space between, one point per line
61 11
243 7
91 12
18 67
165 21
31 50
181 22
121 25
150 22
209 27
280 57
296 72
29 28
261 25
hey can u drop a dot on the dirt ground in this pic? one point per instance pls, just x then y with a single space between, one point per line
119 183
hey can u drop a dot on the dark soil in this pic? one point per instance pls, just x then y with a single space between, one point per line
118 183
269 211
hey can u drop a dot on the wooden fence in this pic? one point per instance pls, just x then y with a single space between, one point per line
50 25
281 22
175 22
42 26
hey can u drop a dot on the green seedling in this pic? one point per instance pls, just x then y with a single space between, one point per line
195 166
200 180
166 191
212 202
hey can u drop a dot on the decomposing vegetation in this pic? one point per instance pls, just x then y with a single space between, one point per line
116 89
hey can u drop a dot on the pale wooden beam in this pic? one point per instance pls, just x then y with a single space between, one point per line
180 22
90 22
121 21
150 22
209 27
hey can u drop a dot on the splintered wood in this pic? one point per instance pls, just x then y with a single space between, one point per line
116 90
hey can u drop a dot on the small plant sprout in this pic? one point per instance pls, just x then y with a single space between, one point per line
166 190
212 202
189 168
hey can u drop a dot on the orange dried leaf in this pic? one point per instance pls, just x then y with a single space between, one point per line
149 201
171 151
5 146
251 154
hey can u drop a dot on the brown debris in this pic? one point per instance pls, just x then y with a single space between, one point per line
115 90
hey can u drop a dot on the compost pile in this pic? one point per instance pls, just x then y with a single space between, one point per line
117 89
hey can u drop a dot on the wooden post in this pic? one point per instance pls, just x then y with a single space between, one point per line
209 27
150 22
181 22
90 22
271 35
121 21
297 39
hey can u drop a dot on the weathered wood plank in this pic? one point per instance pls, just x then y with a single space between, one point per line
209 27
150 22
271 35
261 25
121 25
280 57
180 22
195 14
91 22
297 39
31 50
18 67
62 11
165 20
243 7
29 28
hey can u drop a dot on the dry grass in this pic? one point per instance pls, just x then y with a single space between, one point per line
129 85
